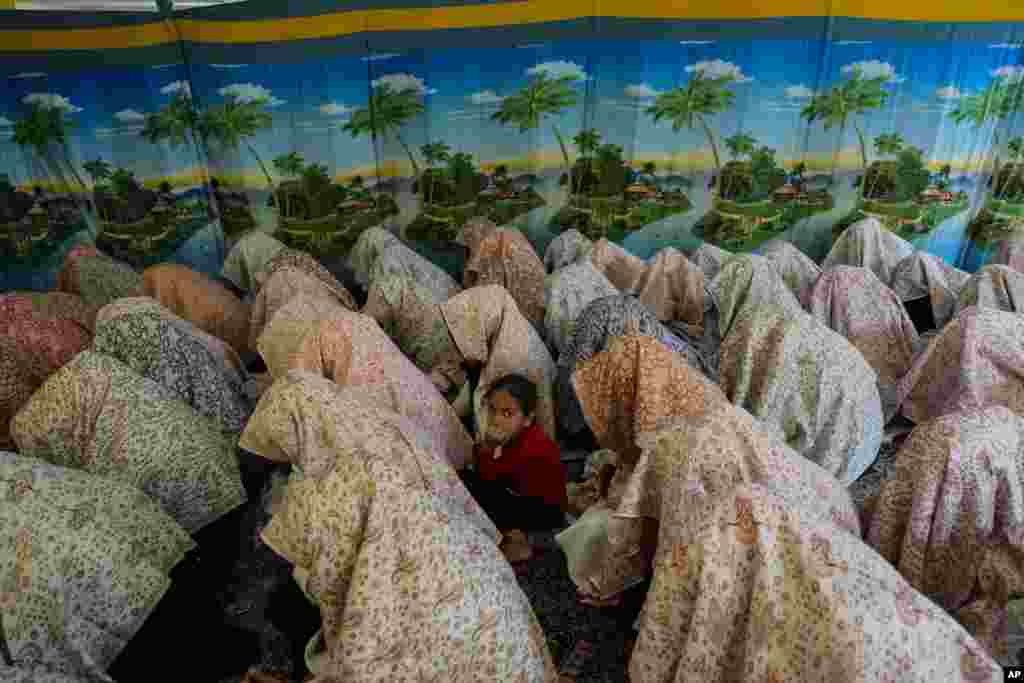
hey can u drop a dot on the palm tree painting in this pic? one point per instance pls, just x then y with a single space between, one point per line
98 169
231 124
175 123
384 116
290 165
740 144
840 106
691 106
543 96
996 102
434 153
44 131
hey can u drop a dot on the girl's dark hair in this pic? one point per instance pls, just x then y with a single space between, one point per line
518 387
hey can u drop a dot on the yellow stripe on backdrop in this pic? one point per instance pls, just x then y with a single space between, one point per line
517 12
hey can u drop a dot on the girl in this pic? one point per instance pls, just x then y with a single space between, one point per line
520 480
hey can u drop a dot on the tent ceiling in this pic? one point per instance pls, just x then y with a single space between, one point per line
111 5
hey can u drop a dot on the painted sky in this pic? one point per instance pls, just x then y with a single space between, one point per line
462 88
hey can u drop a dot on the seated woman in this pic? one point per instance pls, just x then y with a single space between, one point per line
350 349
301 261
156 344
39 333
677 438
763 590
795 268
249 256
84 560
378 252
854 302
569 292
371 503
503 256
281 287
600 322
926 280
96 277
519 478
949 517
998 287
491 333
973 363
97 415
867 244
568 248
208 305
802 379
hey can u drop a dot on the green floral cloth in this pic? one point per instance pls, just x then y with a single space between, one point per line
97 415
83 562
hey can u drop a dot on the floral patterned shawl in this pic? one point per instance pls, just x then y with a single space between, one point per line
97 278
409 586
800 377
999 287
207 304
248 257
975 362
505 257
795 267
84 560
926 275
378 253
38 335
569 291
472 234
301 261
144 336
950 517
710 259
97 415
409 314
1010 253
351 350
568 248
673 288
367 250
600 322
766 591
867 244
856 304
282 337
279 289
623 269
489 330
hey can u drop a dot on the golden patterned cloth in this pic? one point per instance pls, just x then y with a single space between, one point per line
208 305
490 331
950 517
248 257
673 288
505 257
763 590
407 576
280 288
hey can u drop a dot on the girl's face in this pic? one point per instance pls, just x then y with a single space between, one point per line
507 418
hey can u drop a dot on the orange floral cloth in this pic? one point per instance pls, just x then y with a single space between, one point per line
673 288
856 304
763 590
950 517
505 257
301 261
490 331
285 284
975 362
623 269
208 305
410 584
352 350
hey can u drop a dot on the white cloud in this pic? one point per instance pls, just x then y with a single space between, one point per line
4 123
486 97
404 83
799 92
381 57
122 131
229 66
249 93
336 109
29 74
50 100
1006 46
129 115
782 108
852 42
641 91
559 69
949 92
1009 73
717 68
696 42
873 68
176 87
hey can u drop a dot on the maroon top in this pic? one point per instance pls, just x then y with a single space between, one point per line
530 465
